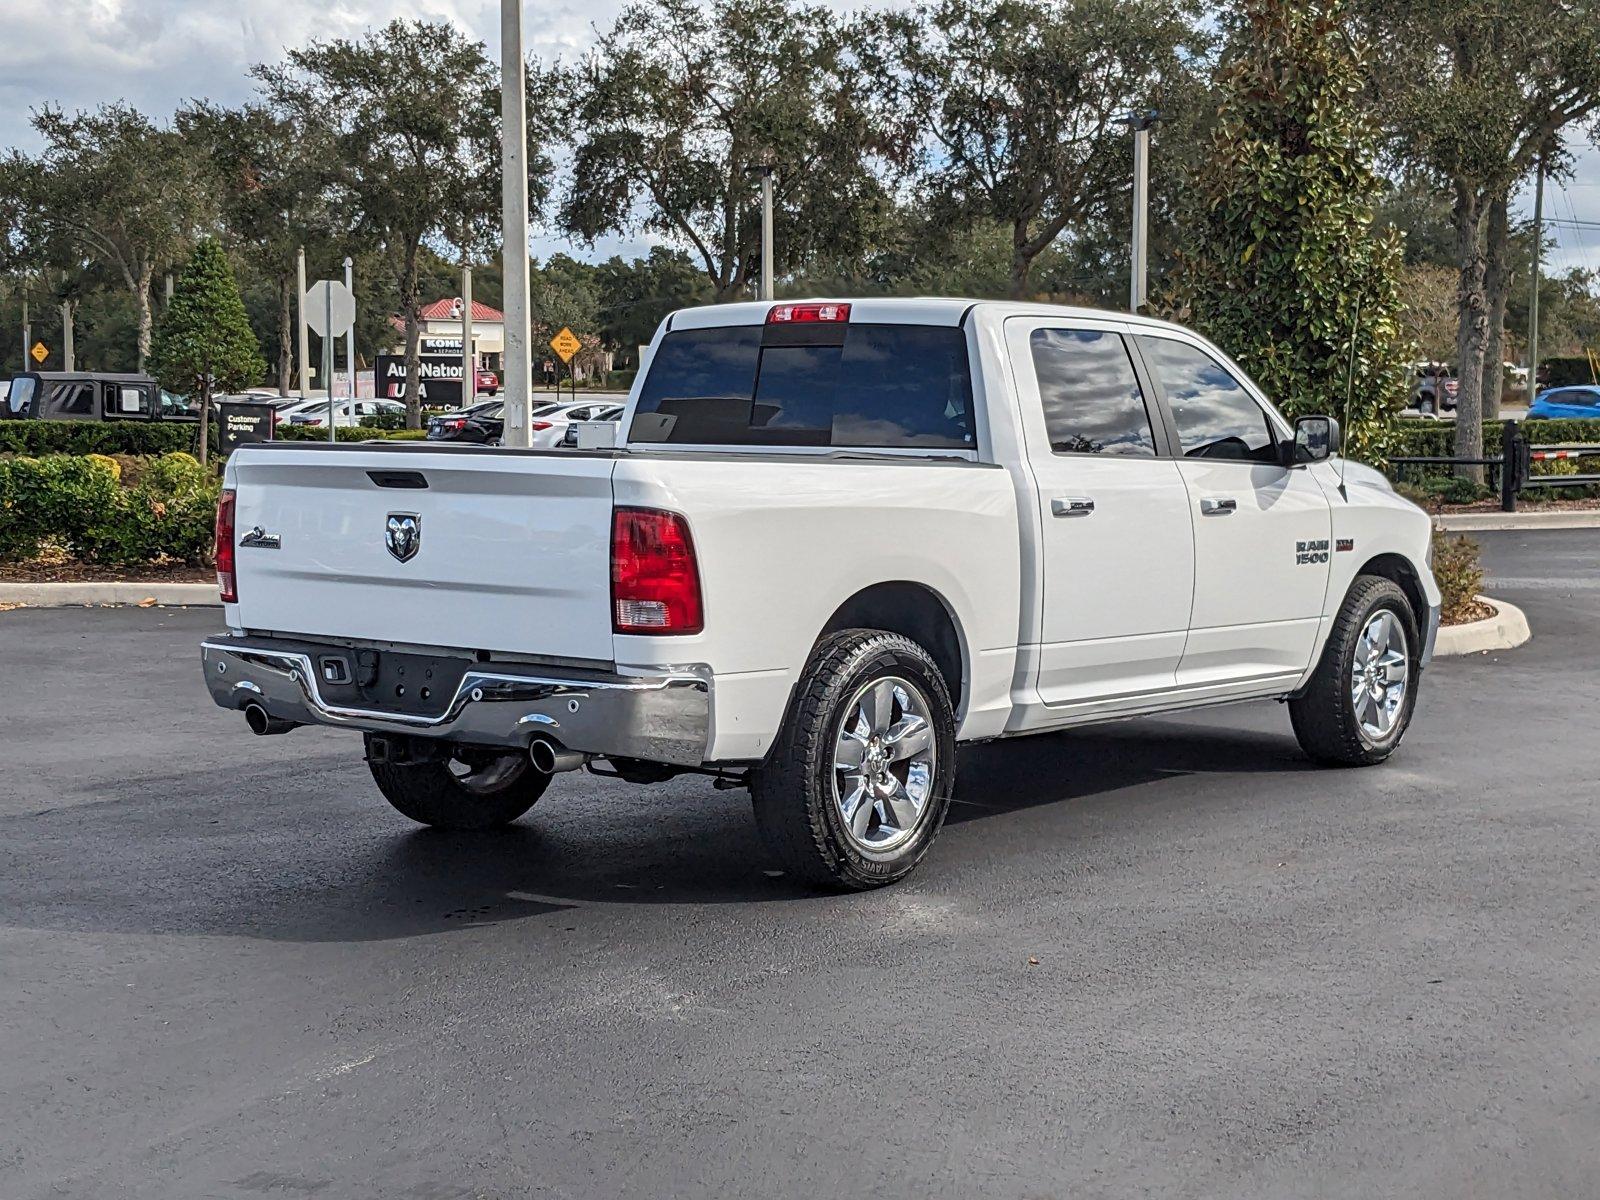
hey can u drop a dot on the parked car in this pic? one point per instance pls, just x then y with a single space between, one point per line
1433 388
488 383
477 423
1579 403
835 540
347 413
609 416
93 396
549 425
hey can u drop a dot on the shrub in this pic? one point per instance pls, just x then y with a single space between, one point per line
1458 570
106 463
35 438
78 503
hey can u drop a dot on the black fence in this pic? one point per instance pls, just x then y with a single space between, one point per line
1511 471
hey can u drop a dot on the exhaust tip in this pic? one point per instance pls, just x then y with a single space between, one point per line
262 723
550 759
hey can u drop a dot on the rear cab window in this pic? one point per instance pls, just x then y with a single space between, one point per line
823 384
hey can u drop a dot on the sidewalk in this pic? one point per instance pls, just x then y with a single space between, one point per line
1468 522
67 595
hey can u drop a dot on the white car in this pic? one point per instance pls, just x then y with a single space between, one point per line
835 539
347 413
549 425
601 418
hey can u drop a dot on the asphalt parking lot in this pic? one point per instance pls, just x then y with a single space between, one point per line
1154 959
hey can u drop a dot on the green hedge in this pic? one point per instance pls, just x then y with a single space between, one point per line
80 504
34 438
344 433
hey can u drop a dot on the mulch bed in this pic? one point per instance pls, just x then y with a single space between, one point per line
1475 610
72 572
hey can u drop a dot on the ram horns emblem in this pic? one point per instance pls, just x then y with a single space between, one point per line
402 534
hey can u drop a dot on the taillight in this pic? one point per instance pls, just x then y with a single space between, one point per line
227 581
783 314
655 583
538 425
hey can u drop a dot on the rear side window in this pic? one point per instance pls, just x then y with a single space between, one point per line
1215 416
71 399
1092 400
877 386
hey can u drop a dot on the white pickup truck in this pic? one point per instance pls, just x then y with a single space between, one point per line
833 540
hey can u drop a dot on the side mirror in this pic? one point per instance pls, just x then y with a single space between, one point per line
1316 439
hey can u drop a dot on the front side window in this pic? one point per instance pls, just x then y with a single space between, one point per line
21 395
862 385
1091 397
1215 416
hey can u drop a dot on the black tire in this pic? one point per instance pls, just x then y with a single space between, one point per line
794 789
1324 715
474 791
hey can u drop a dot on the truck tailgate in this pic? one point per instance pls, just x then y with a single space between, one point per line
502 552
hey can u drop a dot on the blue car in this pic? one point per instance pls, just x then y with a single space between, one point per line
1566 404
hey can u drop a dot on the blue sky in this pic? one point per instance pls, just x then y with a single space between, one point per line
156 53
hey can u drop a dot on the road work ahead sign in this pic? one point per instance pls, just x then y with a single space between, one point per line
565 344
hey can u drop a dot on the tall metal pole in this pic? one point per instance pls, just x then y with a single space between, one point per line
517 375
327 363
350 334
766 232
1141 216
1533 299
27 333
469 362
300 313
69 357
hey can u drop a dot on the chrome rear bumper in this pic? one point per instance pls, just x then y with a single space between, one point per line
661 717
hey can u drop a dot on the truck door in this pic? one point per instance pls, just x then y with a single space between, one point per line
1261 529
1116 541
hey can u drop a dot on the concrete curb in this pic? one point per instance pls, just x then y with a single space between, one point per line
66 595
1471 522
1506 630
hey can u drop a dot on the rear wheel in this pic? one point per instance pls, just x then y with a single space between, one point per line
1359 702
473 788
858 784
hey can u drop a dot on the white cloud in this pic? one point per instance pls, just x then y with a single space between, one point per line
157 53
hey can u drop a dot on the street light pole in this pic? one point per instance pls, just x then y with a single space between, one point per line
766 230
1533 299
350 334
517 365
305 336
1139 251
469 373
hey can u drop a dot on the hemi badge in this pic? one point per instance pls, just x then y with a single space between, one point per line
1345 544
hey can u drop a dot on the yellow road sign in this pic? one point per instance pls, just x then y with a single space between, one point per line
565 344
40 352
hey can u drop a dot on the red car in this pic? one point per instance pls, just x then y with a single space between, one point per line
488 382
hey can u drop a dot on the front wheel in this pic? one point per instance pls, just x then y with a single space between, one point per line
860 778
475 788
1360 699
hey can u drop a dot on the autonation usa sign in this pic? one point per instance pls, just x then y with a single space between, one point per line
438 377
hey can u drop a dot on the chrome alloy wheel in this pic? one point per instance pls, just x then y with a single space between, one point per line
884 761
1380 675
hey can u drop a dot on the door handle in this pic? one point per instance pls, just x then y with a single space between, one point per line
1218 506
1071 506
